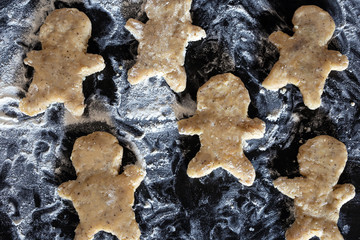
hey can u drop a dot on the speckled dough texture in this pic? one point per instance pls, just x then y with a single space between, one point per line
304 59
35 151
223 125
163 41
62 64
317 196
102 198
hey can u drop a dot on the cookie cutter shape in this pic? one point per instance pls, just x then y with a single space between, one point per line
102 197
162 42
62 64
222 123
305 60
317 198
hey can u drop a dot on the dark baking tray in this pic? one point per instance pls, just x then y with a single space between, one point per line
34 152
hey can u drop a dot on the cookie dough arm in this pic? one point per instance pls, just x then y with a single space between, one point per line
254 129
65 189
301 229
196 33
338 61
135 27
278 39
343 193
85 231
33 58
134 174
176 79
289 187
91 63
191 126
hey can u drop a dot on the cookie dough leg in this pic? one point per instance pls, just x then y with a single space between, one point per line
312 95
331 232
139 73
134 228
241 168
31 106
176 79
201 165
75 105
300 230
84 233
131 231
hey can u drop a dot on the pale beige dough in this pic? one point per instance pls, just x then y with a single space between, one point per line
317 198
102 198
62 64
162 42
222 123
304 59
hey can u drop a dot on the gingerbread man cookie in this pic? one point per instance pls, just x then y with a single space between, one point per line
162 42
317 198
62 64
222 123
304 59
102 197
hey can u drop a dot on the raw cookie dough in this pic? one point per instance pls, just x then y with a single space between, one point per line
317 198
102 197
62 65
304 59
222 122
162 42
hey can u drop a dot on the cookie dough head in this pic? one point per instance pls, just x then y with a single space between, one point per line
216 95
101 154
66 28
322 158
314 24
163 9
